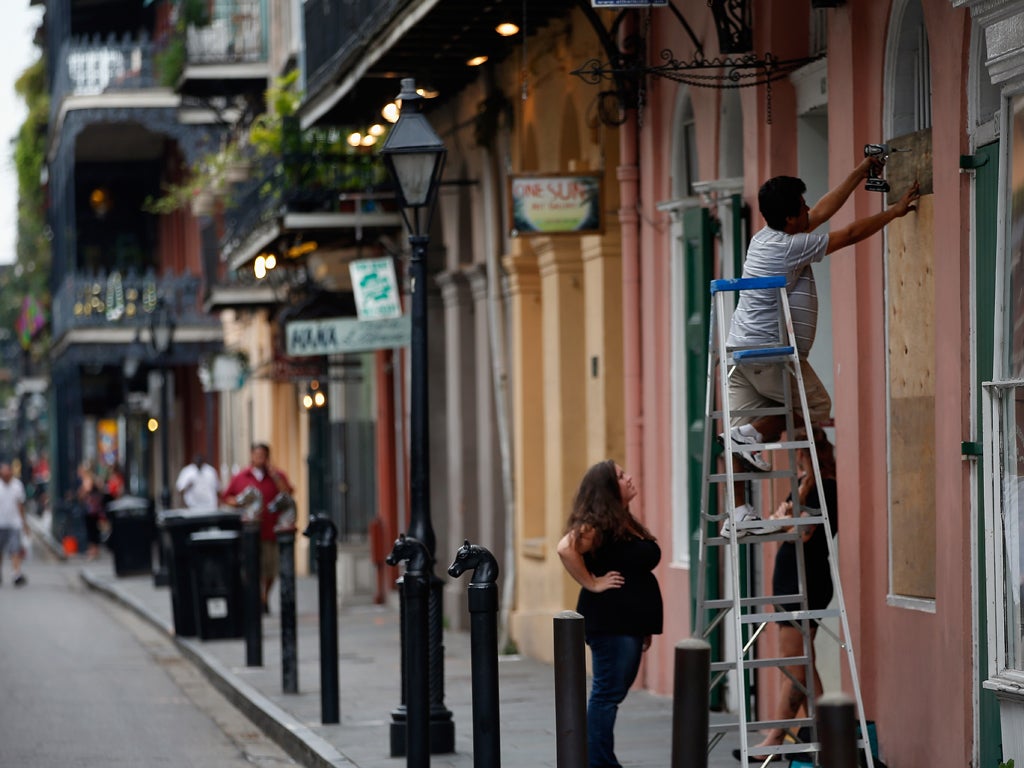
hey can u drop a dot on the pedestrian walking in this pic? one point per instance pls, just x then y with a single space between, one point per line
270 481
198 484
13 525
90 497
612 556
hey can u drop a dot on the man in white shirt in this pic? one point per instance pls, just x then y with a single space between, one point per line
198 484
12 521
788 245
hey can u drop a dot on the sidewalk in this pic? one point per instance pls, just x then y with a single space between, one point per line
369 679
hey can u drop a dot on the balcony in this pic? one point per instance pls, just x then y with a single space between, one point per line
315 194
229 54
111 308
96 66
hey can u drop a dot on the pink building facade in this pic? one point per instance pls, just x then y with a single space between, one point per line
913 321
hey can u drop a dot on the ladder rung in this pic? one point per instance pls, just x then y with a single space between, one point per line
766 355
757 538
782 445
772 410
786 661
780 616
775 523
722 477
756 725
747 283
751 601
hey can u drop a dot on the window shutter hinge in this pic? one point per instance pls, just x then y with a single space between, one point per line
969 448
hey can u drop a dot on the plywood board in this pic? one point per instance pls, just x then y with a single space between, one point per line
915 164
910 303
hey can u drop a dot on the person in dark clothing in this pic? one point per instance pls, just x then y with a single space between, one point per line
612 556
785 579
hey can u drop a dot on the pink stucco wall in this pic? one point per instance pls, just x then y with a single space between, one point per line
915 666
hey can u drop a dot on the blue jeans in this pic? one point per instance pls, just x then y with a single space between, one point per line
616 660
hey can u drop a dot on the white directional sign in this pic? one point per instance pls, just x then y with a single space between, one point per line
337 335
375 288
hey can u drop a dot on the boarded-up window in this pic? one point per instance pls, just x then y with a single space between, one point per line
910 311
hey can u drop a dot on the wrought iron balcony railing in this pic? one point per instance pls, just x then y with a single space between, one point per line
236 34
112 300
87 67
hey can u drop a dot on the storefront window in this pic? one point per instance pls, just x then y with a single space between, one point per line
1015 241
1004 422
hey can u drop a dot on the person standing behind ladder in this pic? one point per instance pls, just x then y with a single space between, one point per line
788 246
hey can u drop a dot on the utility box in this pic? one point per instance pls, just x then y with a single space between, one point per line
217 583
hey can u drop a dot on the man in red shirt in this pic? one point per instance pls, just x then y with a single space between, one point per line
270 481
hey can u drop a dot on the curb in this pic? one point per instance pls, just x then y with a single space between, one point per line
298 740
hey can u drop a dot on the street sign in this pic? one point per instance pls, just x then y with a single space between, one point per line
337 335
375 289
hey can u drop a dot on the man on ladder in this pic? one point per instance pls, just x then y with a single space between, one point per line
787 246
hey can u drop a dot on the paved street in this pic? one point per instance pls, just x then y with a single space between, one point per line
87 683
368 673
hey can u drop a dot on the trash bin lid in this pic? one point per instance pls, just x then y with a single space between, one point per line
170 518
128 504
216 535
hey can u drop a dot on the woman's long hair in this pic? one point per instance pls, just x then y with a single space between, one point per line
598 505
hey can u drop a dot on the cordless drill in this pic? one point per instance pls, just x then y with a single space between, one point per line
875 182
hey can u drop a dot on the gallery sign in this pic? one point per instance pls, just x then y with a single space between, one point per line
338 335
549 204
375 288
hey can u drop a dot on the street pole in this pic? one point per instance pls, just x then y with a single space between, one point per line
442 727
165 428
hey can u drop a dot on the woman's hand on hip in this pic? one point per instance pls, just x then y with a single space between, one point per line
610 580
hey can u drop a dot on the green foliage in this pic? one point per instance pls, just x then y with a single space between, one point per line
170 62
1007 764
30 273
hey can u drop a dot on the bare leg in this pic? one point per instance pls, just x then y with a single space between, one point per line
791 695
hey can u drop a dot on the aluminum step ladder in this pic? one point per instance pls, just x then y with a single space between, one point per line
736 608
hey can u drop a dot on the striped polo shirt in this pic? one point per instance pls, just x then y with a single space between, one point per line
771 252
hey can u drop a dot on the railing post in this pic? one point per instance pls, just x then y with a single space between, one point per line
289 636
324 533
416 587
837 730
570 691
690 704
483 643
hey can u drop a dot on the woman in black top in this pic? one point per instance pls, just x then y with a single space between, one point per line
785 580
612 556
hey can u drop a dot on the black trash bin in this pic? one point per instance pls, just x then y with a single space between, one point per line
176 526
131 535
217 583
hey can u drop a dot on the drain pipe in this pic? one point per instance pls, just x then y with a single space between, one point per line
628 175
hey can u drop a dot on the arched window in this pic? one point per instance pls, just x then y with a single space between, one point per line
911 93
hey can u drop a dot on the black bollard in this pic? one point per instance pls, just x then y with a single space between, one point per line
289 638
252 604
570 691
324 534
690 704
837 730
416 588
483 644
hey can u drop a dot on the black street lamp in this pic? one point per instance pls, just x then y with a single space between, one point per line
414 156
161 335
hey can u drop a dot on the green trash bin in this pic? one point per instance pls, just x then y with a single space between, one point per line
176 526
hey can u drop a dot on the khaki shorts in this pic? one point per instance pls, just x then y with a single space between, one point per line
270 561
761 386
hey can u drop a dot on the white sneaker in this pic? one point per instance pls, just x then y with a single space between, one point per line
754 459
743 514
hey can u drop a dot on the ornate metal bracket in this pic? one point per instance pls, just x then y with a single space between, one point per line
735 69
